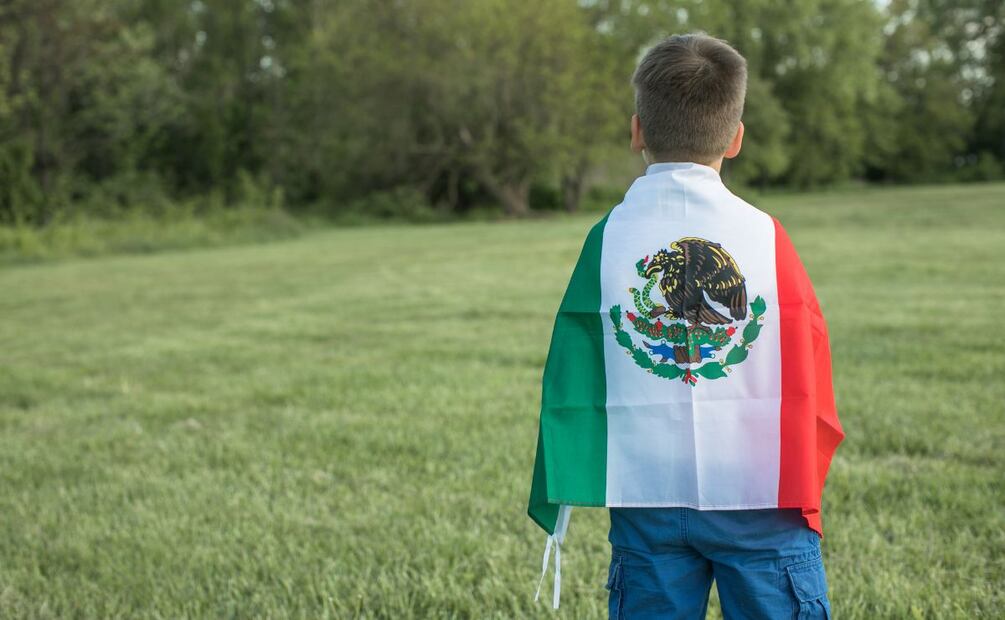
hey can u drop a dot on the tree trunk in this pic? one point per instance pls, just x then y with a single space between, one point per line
515 198
572 189
453 189
512 195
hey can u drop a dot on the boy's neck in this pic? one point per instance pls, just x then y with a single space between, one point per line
715 165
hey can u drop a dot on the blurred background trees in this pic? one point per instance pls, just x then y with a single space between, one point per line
396 105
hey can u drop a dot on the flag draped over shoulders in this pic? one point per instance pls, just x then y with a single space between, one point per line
689 362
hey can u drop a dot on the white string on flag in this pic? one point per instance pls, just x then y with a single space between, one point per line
561 526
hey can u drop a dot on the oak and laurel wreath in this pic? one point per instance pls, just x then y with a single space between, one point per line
712 369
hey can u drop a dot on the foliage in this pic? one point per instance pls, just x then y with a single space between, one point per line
135 231
401 203
468 102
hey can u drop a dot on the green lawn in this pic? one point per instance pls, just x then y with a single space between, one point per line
343 425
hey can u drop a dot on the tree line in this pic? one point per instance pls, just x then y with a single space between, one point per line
396 104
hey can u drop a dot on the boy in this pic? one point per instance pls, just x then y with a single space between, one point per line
688 382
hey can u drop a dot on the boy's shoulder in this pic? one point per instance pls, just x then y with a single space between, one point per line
684 202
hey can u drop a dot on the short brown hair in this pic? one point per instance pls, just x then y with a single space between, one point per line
689 92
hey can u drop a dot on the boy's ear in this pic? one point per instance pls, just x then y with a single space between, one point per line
638 143
734 146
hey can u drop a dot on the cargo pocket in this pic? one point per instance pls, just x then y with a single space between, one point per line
616 584
809 585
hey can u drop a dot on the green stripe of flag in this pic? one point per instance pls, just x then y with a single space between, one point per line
571 462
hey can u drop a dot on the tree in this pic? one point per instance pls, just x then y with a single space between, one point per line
811 65
79 98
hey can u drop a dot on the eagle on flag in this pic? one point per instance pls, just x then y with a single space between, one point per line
696 267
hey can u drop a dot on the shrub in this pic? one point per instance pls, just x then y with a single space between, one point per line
400 203
139 232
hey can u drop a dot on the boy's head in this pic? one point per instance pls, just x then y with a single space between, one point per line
689 92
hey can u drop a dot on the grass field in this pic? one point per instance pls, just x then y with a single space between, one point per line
343 425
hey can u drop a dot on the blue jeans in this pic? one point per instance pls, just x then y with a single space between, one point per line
766 564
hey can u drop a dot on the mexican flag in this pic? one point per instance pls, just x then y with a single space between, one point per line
689 363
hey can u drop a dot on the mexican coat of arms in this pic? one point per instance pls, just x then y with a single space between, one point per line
682 334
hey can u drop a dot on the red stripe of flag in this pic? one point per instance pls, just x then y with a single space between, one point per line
810 430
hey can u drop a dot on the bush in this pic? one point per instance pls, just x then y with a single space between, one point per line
602 197
120 195
20 196
982 167
140 232
401 203
545 197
